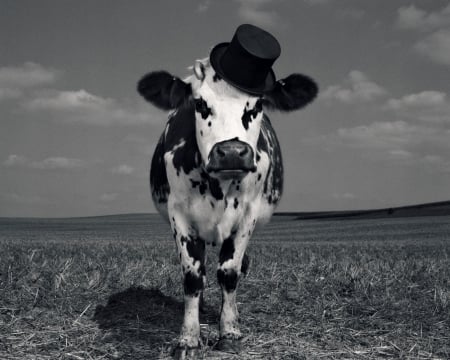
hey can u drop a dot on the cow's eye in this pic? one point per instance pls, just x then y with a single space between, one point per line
202 107
258 106
256 109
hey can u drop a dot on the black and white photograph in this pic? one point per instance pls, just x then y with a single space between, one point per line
211 179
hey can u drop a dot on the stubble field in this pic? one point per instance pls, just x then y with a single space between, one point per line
110 288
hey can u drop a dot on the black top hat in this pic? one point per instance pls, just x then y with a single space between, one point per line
246 62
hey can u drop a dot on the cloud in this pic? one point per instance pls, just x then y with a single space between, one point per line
30 82
428 106
122 169
23 199
424 98
27 75
436 46
7 93
203 6
436 24
70 100
15 160
397 141
253 11
400 154
50 163
412 18
54 163
14 79
83 107
382 134
356 88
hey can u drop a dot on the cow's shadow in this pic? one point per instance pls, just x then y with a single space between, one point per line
140 317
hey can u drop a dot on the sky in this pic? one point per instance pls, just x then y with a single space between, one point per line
76 139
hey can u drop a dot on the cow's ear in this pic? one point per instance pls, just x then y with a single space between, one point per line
291 93
164 90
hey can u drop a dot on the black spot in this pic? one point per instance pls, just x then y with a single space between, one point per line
158 176
193 284
196 249
201 132
214 185
194 183
249 115
245 264
209 123
181 126
202 107
183 240
212 204
227 279
237 187
227 249
259 177
236 203
202 186
215 189
216 77
182 160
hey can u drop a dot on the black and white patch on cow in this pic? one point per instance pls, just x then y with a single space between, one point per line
216 173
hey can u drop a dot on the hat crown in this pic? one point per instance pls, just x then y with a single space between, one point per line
258 42
246 62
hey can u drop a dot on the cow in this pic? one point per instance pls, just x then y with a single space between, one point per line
217 169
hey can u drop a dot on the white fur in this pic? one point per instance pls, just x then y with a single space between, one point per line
227 104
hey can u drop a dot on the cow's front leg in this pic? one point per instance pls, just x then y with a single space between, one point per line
191 250
228 273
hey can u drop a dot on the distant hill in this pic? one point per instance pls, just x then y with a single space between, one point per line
430 209
441 208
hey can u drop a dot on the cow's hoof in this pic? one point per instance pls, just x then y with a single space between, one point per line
233 346
186 353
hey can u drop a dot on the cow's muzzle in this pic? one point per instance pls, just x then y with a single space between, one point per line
231 157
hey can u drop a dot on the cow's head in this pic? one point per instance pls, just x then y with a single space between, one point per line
227 120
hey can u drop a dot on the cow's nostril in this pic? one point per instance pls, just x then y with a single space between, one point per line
243 152
220 152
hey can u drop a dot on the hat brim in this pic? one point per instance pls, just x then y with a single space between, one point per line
214 58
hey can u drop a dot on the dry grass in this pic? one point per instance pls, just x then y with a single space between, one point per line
109 288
